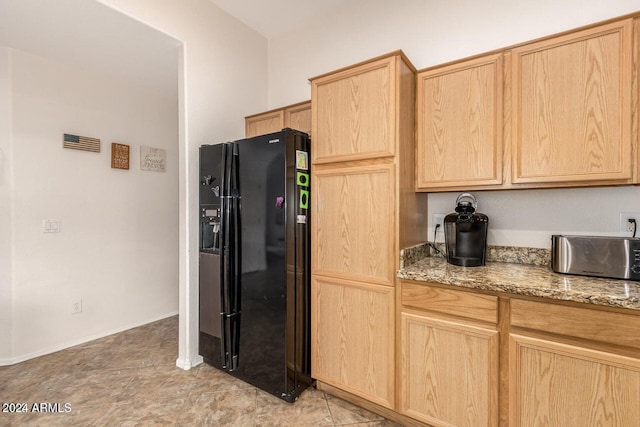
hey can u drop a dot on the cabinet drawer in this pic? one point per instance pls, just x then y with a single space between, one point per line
449 301
587 323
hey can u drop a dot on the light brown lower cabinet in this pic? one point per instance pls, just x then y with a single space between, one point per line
555 384
473 358
449 372
353 338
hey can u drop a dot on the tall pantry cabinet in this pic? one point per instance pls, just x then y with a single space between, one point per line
364 210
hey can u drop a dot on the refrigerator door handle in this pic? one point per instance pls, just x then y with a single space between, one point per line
236 234
235 258
230 258
231 287
224 289
225 270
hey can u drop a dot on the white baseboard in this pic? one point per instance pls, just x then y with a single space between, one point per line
83 340
187 364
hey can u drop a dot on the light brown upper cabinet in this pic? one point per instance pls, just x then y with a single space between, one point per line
355 112
295 116
459 129
363 200
298 116
263 123
572 107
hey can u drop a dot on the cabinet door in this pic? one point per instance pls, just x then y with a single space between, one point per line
572 107
449 372
353 338
554 384
459 125
353 223
354 112
260 124
298 117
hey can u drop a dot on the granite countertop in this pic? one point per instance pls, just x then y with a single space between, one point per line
525 279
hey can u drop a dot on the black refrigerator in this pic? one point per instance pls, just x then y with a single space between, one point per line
254 270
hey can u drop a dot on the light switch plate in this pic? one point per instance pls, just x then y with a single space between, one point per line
51 226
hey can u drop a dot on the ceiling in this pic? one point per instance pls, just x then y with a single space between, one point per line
275 17
92 36
95 37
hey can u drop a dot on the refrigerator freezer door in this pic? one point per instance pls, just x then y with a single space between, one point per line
210 330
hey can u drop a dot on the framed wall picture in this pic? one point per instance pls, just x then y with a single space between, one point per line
153 159
84 143
119 156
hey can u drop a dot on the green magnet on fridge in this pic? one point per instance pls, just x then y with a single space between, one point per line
304 199
302 179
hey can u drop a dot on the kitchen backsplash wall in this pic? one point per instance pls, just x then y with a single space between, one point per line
528 218
510 254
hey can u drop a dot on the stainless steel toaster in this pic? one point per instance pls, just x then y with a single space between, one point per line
599 256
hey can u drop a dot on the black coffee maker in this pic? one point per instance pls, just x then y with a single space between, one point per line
465 233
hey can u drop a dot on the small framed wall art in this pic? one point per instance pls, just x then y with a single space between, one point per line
153 159
83 143
119 156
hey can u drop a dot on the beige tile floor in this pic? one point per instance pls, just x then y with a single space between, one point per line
130 379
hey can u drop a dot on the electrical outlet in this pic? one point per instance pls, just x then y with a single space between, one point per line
625 225
77 307
438 219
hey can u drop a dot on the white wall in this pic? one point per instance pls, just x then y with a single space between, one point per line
224 78
6 271
529 217
117 251
431 33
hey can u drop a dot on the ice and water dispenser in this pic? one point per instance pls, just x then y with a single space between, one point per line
210 229
210 180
